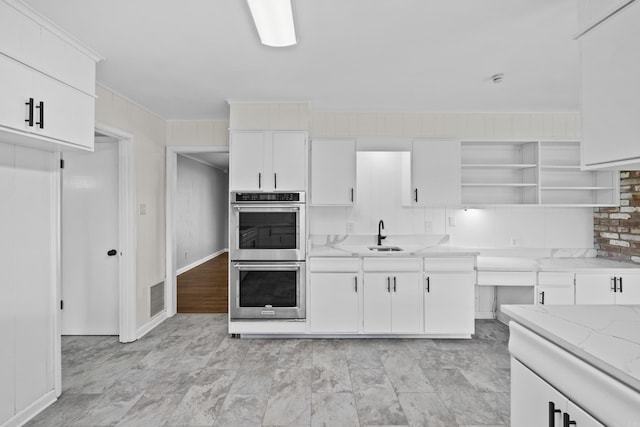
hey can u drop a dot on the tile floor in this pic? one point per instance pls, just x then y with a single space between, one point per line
190 372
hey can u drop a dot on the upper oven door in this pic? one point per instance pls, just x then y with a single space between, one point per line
268 232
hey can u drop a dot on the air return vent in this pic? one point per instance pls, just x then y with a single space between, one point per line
157 299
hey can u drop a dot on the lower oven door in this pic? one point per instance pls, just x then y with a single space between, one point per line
267 290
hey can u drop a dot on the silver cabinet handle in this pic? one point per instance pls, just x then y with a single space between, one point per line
355 281
259 180
614 285
388 284
351 195
394 283
275 180
428 289
416 198
541 299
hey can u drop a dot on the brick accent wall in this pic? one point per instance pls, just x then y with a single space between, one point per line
617 230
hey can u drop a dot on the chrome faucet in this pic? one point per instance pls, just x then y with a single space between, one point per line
380 236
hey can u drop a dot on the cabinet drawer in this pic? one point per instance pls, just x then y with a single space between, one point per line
449 264
555 279
393 264
510 278
335 265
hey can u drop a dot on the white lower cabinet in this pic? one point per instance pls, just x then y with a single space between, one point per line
333 302
606 288
449 303
393 303
536 403
555 288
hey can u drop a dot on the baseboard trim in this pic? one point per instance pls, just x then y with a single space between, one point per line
485 315
200 261
32 410
151 324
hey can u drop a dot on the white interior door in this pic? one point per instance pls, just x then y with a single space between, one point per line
89 231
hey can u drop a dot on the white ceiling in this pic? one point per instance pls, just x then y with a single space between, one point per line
215 159
184 59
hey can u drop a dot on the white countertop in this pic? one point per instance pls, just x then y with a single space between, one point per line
572 264
358 246
605 336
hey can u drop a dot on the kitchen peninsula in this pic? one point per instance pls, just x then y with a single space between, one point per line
575 364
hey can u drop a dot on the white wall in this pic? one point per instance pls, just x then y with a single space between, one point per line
149 139
28 279
201 211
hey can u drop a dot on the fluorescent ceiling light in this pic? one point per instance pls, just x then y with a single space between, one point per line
274 22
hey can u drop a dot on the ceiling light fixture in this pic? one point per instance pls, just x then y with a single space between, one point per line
274 22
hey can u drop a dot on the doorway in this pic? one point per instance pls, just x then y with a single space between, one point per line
90 241
98 287
197 229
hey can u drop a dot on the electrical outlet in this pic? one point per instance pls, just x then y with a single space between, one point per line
349 227
428 226
452 221
143 209
516 242
185 255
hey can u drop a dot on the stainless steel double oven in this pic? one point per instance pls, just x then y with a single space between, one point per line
268 249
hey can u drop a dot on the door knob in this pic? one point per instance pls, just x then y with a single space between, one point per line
112 252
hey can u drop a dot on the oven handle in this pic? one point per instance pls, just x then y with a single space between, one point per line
275 266
268 207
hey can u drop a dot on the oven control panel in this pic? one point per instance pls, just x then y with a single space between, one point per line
238 197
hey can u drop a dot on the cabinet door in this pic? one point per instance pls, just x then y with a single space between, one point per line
377 302
531 399
16 82
407 314
630 284
333 172
554 295
69 115
19 36
289 161
333 302
449 303
246 161
435 172
594 288
581 418
610 56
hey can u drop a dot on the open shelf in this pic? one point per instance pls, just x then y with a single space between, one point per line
532 173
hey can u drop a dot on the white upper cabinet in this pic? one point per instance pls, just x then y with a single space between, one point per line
593 12
610 55
435 173
333 172
49 82
268 161
289 161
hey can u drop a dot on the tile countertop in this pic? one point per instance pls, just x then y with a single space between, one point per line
605 336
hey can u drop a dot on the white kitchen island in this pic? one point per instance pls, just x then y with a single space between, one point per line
574 365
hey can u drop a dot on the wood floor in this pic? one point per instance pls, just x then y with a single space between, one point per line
204 289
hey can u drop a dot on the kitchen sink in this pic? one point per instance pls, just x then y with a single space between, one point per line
385 248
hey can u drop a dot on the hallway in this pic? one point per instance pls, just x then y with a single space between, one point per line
204 289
